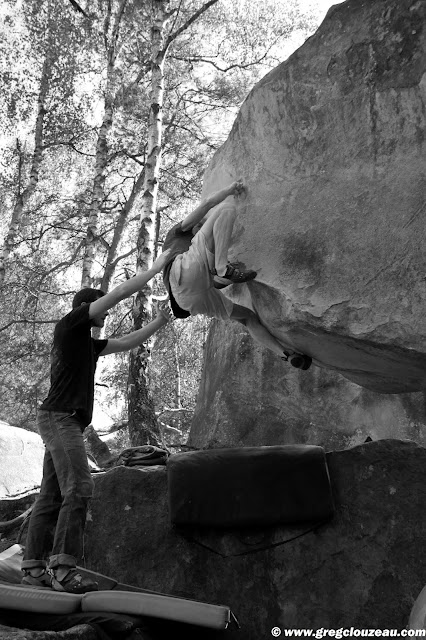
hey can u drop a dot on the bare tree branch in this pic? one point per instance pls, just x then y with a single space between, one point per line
188 23
77 7
27 321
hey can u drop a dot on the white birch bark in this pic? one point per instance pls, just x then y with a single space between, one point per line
143 425
101 154
146 238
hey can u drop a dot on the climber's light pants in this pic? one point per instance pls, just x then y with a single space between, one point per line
191 282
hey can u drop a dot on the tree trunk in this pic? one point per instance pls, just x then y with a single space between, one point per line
142 420
143 426
23 195
178 386
97 193
101 155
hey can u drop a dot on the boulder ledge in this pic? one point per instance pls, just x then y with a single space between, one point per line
364 568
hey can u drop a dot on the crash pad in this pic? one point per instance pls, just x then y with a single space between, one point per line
158 606
113 597
38 600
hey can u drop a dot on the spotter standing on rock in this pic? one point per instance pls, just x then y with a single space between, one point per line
55 536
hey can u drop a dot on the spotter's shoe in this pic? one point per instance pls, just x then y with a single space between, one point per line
43 580
72 582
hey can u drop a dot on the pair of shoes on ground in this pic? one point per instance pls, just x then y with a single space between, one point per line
232 275
298 360
72 581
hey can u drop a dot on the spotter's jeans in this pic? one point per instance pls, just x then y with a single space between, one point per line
59 515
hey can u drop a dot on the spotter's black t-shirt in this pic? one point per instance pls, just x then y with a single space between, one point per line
73 361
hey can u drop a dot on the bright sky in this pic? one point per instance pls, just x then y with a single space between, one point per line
297 39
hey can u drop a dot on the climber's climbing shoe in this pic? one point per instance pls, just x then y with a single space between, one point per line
297 360
300 362
233 275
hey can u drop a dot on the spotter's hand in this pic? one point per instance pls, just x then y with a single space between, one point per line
163 309
161 261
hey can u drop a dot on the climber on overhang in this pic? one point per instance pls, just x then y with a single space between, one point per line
198 267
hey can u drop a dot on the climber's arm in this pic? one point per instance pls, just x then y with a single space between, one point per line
216 198
128 287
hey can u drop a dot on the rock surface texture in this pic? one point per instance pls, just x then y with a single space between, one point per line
331 147
81 632
364 568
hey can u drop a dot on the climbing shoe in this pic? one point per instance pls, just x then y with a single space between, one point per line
300 362
71 581
43 579
297 360
234 275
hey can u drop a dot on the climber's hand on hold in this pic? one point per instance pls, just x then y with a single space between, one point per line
236 188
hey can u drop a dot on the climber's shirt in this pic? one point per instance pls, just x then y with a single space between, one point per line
178 241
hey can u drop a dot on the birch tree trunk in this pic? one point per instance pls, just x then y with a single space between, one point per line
23 195
143 425
178 390
101 154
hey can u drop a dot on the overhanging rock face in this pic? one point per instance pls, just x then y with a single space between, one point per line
331 147
364 568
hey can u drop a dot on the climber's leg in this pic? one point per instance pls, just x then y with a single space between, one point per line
249 319
217 231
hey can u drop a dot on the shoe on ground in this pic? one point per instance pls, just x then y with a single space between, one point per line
43 580
72 582
234 275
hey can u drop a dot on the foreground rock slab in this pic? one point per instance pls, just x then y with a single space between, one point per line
81 632
364 569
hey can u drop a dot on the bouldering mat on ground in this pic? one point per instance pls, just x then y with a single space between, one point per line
158 606
22 598
114 598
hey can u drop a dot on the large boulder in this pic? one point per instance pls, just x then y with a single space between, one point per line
331 147
363 569
249 397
